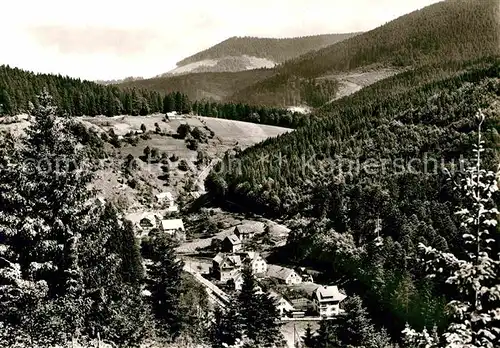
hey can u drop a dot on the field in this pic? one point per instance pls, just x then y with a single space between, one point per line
227 135
110 180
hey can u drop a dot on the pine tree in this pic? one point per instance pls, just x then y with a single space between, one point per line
164 284
44 222
63 279
168 103
475 312
259 314
308 337
226 327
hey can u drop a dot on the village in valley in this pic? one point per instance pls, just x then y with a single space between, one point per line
328 179
217 262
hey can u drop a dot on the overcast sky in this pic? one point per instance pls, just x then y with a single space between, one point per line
107 39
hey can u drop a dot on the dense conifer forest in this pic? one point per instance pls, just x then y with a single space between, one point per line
426 115
74 97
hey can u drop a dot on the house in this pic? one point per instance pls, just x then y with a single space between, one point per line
237 281
326 300
307 274
172 226
248 230
225 265
144 221
231 244
301 304
166 198
282 304
278 234
257 263
283 274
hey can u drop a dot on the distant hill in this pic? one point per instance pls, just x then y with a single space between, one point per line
448 30
237 63
210 85
246 53
115 82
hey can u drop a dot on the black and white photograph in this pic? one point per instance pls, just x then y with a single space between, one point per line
250 174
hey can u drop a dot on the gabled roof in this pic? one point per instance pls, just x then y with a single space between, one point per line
172 224
136 218
329 293
165 195
276 230
279 272
251 256
275 296
237 276
233 260
233 239
278 297
218 258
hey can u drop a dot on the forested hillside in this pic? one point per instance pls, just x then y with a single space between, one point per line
18 88
375 156
216 86
448 30
74 97
277 50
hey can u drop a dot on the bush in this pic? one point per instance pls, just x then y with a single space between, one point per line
183 130
183 166
193 144
199 135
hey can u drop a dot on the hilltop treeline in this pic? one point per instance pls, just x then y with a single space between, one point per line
74 97
251 113
19 88
349 169
277 50
449 30
452 29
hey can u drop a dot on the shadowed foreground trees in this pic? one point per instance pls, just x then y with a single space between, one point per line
69 269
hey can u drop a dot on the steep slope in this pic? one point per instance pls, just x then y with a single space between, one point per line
246 53
449 30
366 184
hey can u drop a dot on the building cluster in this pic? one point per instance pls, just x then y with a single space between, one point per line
319 299
146 221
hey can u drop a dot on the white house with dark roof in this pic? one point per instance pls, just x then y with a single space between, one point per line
326 300
237 278
231 244
256 261
283 274
144 221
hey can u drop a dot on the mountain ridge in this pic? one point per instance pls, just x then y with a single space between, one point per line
276 49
